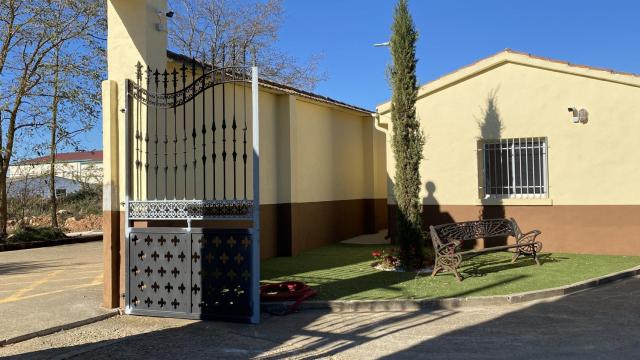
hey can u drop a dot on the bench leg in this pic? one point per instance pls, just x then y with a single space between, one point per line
515 256
457 274
435 271
448 262
530 249
534 250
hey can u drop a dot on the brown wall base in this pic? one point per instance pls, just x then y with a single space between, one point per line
585 229
111 258
322 223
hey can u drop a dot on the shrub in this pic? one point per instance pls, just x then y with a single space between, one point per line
28 234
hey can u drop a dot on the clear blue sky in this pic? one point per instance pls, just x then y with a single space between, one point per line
455 33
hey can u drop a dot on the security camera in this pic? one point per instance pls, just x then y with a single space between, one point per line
162 14
578 115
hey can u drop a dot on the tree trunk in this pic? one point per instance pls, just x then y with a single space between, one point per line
3 187
54 128
3 203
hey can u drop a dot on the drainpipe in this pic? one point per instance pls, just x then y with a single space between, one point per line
379 127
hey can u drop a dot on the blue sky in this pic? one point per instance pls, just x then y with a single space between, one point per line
455 33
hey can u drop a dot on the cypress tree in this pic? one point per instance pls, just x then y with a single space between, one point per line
407 139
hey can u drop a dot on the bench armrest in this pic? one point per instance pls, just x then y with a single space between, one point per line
528 237
448 247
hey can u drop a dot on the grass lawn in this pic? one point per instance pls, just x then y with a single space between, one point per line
343 271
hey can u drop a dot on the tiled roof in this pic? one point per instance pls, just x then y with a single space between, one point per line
569 63
93 155
284 88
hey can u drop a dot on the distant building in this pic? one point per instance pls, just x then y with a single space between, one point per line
27 187
79 166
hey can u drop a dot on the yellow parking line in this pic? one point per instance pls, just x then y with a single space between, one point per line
11 277
57 280
12 299
17 295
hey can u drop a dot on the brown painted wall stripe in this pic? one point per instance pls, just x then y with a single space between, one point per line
584 229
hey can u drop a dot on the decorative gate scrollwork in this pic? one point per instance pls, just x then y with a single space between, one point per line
192 154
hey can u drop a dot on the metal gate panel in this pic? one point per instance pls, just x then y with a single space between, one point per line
159 269
221 273
196 273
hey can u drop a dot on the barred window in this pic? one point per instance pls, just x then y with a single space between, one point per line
515 168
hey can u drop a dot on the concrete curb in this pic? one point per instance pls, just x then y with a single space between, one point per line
45 243
450 303
55 329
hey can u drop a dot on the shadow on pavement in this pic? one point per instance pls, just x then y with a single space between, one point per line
25 267
600 323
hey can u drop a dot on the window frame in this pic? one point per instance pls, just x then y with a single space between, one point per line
514 148
61 192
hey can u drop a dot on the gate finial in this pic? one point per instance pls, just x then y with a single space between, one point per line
139 71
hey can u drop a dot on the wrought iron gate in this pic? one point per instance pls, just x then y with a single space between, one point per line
192 154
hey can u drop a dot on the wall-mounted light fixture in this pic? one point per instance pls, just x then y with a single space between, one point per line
161 25
579 116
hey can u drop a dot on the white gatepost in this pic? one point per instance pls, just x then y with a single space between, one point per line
255 266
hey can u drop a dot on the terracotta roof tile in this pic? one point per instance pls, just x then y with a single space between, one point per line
93 155
285 88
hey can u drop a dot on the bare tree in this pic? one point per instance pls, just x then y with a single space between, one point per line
75 103
53 144
220 32
30 32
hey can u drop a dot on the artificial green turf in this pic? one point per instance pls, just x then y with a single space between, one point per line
344 272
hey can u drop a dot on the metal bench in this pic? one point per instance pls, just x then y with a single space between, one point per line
448 238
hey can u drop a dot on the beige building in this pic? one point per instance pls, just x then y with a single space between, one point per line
322 172
547 142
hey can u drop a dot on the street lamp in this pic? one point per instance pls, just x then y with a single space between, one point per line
386 43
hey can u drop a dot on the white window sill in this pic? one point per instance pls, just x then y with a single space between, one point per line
531 201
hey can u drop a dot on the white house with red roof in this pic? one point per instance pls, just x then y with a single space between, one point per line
82 166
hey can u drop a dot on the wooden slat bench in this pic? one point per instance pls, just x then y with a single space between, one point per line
448 238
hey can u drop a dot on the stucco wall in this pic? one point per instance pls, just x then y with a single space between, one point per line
592 202
330 154
587 163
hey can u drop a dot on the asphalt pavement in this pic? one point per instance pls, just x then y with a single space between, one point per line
48 287
600 323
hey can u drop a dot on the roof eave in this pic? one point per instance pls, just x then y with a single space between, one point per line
285 88
519 58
